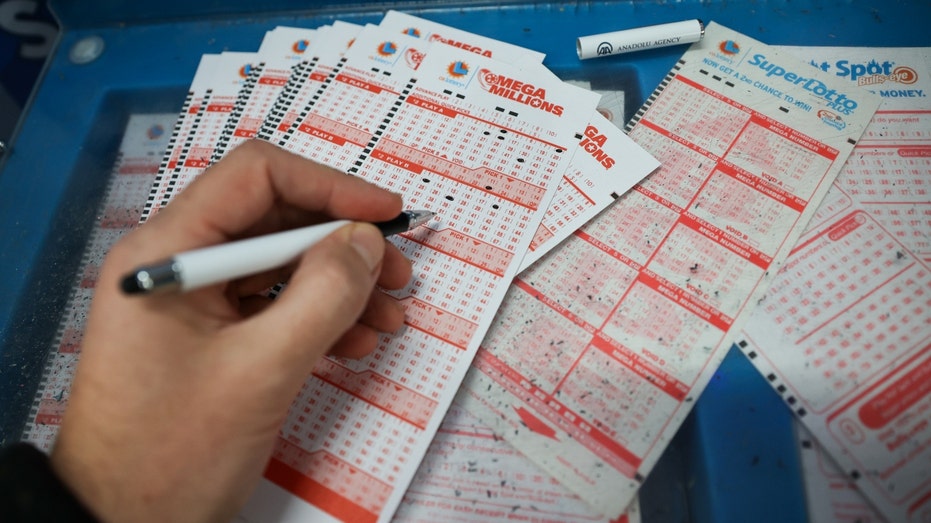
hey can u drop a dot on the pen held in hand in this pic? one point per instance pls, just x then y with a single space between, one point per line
209 265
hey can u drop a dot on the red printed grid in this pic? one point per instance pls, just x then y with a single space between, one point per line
780 156
909 223
250 111
373 441
652 307
451 329
569 203
358 104
682 172
491 482
835 203
891 181
357 99
329 483
332 131
623 392
378 390
712 124
743 207
548 406
446 162
712 275
878 173
557 341
416 363
302 86
587 283
870 306
636 233
460 262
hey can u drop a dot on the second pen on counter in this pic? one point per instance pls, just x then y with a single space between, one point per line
639 39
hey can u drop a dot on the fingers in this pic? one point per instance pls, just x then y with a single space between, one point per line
395 273
252 305
326 296
382 313
258 183
359 341
331 295
396 269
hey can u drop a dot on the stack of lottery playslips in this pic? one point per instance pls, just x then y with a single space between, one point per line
511 159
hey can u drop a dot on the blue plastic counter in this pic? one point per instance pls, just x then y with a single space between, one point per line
735 457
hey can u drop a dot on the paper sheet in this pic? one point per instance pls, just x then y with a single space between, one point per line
206 108
469 474
844 335
140 154
831 496
322 58
600 349
429 31
281 49
452 140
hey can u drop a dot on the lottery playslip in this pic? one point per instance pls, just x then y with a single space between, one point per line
601 348
138 161
358 429
844 335
206 108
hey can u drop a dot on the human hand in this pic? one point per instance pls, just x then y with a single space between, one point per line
178 398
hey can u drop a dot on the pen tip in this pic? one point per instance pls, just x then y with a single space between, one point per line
419 217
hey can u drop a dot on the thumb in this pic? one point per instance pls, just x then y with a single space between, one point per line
325 297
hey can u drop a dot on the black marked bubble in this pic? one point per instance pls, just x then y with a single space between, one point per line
449 197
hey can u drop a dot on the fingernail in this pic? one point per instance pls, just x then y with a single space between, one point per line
369 243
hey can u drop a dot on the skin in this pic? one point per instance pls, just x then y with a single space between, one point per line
178 398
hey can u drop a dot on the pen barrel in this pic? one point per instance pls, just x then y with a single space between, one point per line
397 225
202 267
639 39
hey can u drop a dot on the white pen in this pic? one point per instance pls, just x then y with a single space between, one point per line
209 265
639 39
